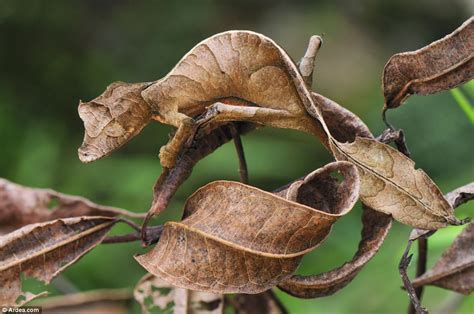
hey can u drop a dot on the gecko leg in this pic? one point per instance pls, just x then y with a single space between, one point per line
306 65
186 131
220 112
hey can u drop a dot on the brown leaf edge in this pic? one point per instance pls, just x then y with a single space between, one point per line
455 269
455 198
21 205
342 123
442 65
389 178
344 126
153 293
43 250
461 195
376 226
231 221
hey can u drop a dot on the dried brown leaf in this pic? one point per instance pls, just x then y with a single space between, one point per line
20 205
375 228
153 294
461 195
237 238
112 119
343 125
391 184
455 269
442 65
455 198
96 301
43 250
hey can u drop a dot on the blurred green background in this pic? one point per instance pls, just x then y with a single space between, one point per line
54 53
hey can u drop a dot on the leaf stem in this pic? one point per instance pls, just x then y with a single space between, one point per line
244 176
420 269
152 235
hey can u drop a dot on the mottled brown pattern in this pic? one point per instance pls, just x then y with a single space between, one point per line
375 228
455 269
442 65
390 184
45 249
20 206
239 239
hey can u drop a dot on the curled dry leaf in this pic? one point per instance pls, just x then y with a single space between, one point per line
96 301
375 229
112 119
342 123
345 126
43 250
20 205
455 269
155 295
239 239
442 65
391 184
461 195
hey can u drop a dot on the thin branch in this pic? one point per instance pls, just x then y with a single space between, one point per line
396 136
420 269
402 267
244 176
131 224
152 235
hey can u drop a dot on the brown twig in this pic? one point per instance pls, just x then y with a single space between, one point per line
152 235
420 269
243 172
130 223
402 267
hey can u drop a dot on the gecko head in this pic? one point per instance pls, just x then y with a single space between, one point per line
112 119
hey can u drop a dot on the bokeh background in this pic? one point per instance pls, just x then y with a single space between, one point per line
53 53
